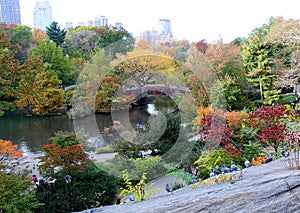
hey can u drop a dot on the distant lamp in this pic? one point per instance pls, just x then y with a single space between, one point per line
68 179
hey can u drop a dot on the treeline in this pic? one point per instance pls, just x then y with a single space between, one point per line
37 65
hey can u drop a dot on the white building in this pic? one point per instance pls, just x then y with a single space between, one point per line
42 14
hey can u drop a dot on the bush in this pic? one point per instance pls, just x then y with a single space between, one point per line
89 189
106 149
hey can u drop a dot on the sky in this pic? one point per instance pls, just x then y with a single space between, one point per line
193 20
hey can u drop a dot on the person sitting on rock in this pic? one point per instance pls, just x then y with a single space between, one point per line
35 179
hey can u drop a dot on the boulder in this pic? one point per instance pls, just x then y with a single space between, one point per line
268 188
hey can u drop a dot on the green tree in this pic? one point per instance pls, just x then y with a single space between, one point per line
257 60
181 47
170 135
89 189
116 40
16 193
88 84
22 40
55 33
55 61
81 43
227 61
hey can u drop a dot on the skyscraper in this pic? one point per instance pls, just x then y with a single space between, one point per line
10 12
165 27
42 14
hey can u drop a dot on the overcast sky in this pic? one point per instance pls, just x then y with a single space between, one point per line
191 19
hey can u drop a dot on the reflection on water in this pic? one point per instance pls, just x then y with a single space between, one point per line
31 133
151 109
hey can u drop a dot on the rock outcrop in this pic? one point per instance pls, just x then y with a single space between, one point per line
266 188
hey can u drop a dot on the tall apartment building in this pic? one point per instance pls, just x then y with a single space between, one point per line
163 35
100 21
165 27
10 11
42 14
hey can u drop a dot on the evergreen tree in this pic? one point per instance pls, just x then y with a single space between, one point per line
55 33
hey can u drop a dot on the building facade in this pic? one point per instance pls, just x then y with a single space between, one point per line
165 27
42 15
10 11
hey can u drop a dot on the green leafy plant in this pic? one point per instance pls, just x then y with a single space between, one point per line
251 146
209 158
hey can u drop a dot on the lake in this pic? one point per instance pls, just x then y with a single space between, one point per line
31 133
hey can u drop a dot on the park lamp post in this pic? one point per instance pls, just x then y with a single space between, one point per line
296 83
68 180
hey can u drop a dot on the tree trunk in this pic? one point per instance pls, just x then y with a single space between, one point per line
261 89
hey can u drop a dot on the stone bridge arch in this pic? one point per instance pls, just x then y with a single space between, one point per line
140 92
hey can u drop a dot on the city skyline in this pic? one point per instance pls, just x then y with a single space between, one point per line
193 20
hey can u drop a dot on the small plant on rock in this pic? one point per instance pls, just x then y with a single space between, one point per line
139 190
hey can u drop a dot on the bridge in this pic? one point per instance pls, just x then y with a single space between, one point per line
140 92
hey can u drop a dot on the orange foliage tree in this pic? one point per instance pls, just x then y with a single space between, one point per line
8 149
70 158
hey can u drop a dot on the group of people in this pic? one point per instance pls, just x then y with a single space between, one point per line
38 181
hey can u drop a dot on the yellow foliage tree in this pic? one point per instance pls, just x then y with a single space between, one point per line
139 63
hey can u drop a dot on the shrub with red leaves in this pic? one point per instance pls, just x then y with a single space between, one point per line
267 119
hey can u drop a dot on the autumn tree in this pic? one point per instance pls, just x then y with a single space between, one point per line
48 98
81 43
105 95
139 63
9 74
285 33
39 35
181 47
201 45
26 93
66 152
10 150
268 120
227 61
202 78
90 187
142 44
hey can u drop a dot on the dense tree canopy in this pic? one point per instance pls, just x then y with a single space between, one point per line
55 61
139 63
116 40
9 74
